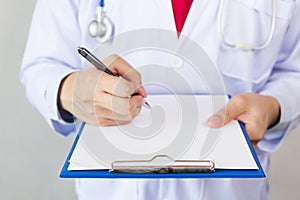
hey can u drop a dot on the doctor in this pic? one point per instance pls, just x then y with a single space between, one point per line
255 45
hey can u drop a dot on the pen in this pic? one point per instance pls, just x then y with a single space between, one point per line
99 65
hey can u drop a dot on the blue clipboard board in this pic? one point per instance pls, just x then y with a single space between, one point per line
218 173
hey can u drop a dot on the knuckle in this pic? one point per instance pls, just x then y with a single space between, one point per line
111 59
114 56
104 81
238 101
127 88
227 115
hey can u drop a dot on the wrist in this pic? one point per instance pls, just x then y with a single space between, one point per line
65 93
275 111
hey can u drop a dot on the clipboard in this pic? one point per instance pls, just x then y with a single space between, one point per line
215 173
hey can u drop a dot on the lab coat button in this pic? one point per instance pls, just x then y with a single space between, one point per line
176 62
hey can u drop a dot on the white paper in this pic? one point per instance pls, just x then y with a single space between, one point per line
162 124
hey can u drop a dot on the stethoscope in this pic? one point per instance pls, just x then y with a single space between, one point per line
246 46
102 28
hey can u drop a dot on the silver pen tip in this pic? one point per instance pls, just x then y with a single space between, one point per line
147 105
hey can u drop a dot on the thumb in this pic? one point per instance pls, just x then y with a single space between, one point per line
218 119
231 111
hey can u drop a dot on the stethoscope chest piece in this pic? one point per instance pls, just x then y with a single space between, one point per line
101 30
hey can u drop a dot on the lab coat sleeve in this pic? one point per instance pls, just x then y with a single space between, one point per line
50 56
284 84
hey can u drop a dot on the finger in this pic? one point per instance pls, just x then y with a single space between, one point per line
116 86
135 106
141 91
108 118
235 107
134 110
110 122
255 131
118 105
254 144
101 120
113 103
124 69
101 112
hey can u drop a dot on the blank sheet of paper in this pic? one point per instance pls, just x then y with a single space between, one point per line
175 126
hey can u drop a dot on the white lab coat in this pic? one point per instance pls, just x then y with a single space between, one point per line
59 26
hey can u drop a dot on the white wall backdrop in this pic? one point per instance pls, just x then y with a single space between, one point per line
31 155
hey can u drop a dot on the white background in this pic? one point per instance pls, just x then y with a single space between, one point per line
32 154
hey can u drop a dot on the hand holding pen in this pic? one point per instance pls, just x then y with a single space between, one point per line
100 98
99 65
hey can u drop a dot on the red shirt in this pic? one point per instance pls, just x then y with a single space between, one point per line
181 9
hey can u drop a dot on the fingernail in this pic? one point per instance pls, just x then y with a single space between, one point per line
215 120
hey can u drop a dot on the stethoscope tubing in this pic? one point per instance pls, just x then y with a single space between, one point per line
240 45
246 46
